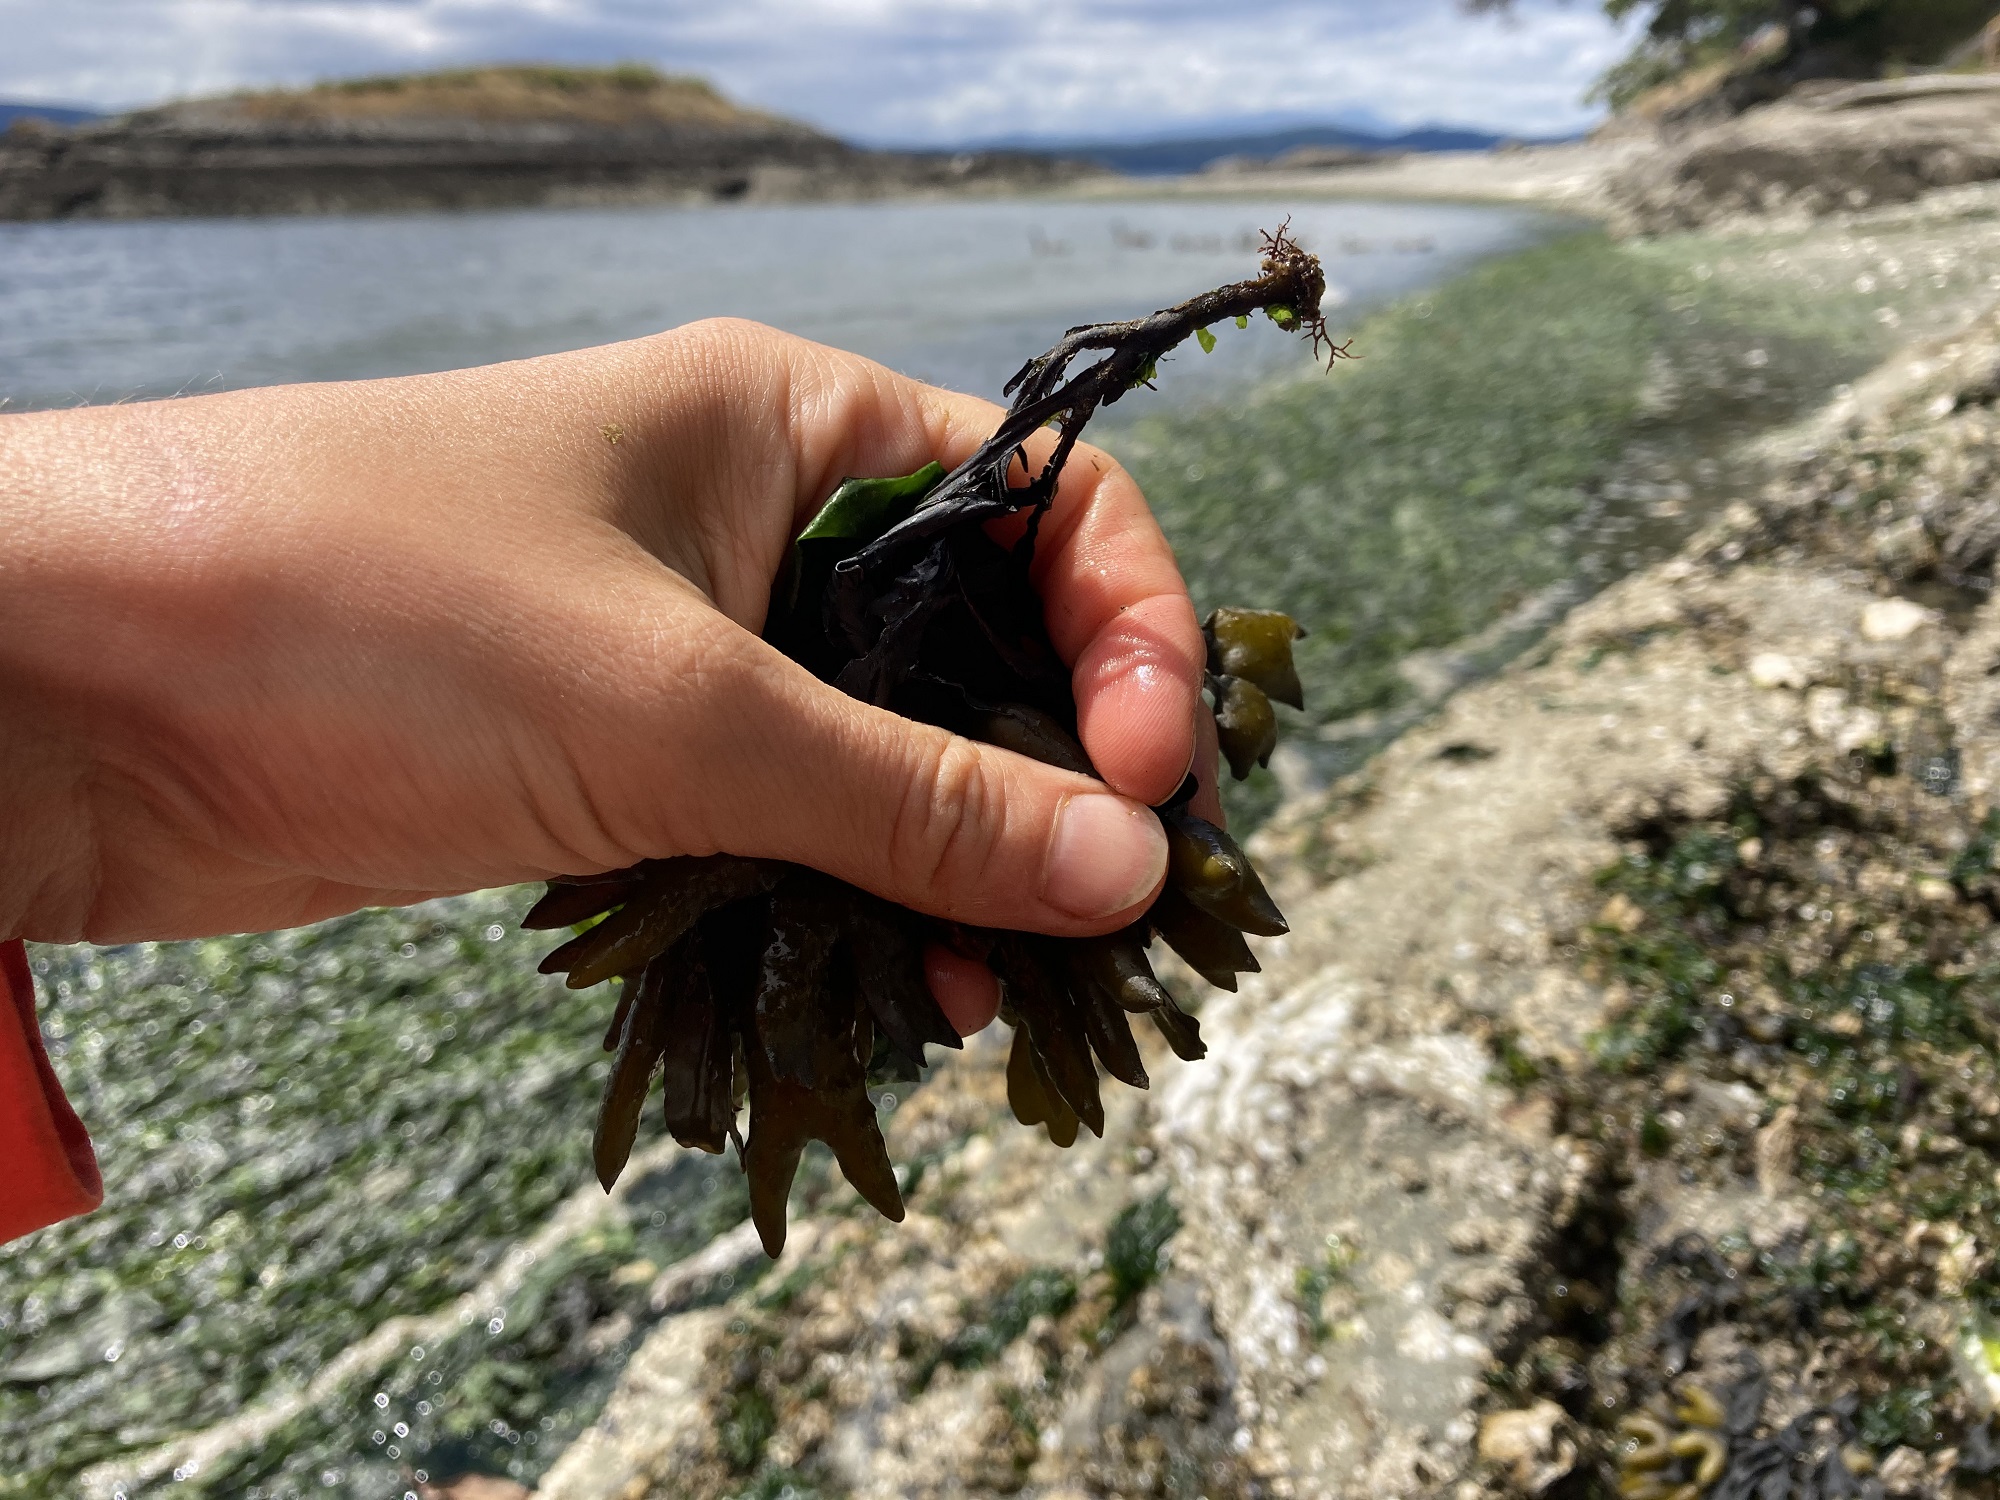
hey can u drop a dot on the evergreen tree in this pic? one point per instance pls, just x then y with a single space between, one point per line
1788 41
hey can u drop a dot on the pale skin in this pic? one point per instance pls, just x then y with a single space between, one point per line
270 656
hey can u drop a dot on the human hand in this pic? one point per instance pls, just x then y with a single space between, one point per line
273 655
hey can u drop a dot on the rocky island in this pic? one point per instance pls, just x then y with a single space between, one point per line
474 138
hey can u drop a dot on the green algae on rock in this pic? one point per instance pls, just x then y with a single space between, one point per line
753 980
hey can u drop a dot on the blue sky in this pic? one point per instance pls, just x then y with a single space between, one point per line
911 71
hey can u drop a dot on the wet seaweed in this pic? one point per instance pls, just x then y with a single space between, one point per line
750 981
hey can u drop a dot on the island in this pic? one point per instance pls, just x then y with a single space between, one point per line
471 138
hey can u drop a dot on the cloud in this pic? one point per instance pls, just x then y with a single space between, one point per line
926 71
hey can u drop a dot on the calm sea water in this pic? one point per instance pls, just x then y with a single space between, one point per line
956 293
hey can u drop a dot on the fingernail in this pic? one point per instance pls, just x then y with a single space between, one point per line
1106 856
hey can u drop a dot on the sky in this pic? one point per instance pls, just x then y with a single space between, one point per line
920 72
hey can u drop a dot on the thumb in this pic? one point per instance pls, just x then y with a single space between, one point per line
796 770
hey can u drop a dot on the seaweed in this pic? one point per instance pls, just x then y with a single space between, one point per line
750 980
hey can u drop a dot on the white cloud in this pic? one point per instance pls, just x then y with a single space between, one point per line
906 70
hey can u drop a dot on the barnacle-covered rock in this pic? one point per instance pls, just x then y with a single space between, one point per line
753 981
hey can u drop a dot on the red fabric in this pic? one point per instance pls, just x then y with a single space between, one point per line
47 1169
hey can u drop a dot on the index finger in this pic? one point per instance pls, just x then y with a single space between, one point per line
1118 612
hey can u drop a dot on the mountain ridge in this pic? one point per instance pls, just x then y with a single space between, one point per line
53 114
1191 152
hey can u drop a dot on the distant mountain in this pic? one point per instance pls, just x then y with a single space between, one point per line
53 113
1192 153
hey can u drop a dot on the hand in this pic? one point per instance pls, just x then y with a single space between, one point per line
269 656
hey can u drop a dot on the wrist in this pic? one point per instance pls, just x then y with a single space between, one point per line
79 536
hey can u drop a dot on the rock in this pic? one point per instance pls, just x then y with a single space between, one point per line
1180 1376
1472 1236
1487 1286
1772 669
475 1487
1525 1441
1622 914
634 1273
1807 155
1893 620
1777 1150
1904 1473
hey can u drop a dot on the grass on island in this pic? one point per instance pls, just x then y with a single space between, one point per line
626 94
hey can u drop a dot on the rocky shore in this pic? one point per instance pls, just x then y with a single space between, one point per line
133 171
1621 1106
1821 150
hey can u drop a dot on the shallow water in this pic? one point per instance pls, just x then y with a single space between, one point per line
958 293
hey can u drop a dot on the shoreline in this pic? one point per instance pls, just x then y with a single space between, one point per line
141 170
1570 178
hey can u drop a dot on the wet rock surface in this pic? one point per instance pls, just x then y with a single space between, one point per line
1822 149
1615 1114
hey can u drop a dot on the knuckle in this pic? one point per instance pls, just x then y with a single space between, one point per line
948 822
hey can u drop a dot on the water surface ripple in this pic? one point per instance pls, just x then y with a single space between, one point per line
958 293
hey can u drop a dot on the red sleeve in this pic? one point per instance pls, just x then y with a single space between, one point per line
47 1169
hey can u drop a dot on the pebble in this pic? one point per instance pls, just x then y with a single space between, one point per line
1893 620
1522 1438
1770 669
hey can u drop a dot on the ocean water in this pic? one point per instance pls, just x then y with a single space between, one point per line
957 293
305 1135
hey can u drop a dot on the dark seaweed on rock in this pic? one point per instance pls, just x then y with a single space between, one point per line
752 981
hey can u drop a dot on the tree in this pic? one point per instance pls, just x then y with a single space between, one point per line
1780 42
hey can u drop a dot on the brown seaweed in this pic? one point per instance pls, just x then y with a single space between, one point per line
698 1065
1110 1035
784 1115
639 1048
1033 1098
890 964
672 898
1117 965
1208 945
751 981
790 1005
1050 1017
1256 645
1246 726
1205 865
1182 1031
